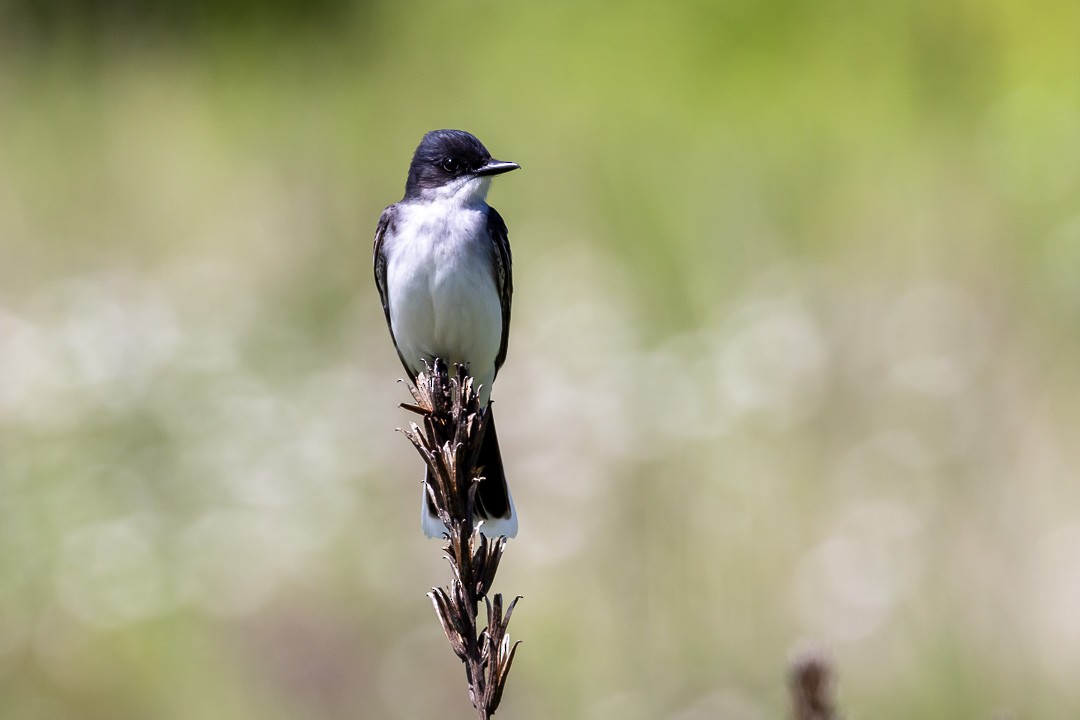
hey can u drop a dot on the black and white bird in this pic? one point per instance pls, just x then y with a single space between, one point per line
443 269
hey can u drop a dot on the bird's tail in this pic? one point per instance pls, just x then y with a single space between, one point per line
494 505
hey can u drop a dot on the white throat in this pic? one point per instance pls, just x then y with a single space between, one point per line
461 192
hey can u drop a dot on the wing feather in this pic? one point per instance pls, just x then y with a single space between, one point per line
386 221
504 277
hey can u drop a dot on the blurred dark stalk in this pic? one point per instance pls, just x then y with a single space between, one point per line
810 680
449 442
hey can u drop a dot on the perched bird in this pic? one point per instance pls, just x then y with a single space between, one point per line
443 270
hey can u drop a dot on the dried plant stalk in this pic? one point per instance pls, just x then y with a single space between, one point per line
449 442
812 686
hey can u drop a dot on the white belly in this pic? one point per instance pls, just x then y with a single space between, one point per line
441 290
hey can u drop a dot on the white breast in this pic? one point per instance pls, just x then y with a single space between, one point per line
441 287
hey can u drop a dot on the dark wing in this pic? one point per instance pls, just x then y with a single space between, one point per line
504 276
386 221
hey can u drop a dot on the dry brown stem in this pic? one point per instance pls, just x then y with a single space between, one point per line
811 684
449 442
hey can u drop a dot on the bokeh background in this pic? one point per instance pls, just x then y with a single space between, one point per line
794 356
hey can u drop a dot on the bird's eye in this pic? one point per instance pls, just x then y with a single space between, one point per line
451 165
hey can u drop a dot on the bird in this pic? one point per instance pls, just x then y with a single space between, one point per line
443 270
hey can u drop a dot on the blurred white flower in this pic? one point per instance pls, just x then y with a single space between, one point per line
848 586
1055 600
113 573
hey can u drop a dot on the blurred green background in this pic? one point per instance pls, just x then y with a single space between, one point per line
794 356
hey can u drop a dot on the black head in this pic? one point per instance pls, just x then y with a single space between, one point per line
444 156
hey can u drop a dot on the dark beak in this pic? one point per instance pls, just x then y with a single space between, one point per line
496 167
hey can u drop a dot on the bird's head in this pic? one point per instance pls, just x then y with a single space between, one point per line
452 165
